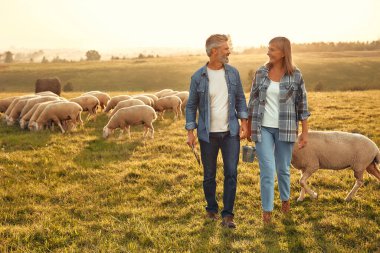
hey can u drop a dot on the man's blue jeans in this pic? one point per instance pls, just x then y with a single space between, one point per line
274 156
230 147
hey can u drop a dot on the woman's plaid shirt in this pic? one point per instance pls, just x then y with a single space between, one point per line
293 104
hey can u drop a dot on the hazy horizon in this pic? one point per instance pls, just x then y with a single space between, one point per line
115 24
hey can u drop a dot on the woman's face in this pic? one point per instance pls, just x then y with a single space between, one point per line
275 54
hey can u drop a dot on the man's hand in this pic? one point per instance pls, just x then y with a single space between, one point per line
302 140
191 140
243 129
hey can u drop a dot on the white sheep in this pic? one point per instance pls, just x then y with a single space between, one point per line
102 96
162 92
47 93
184 96
147 100
134 115
336 150
125 104
31 117
16 110
58 112
5 102
31 102
14 102
88 103
169 102
115 100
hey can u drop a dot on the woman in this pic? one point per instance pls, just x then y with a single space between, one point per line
277 102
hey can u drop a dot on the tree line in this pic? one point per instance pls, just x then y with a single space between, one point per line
324 47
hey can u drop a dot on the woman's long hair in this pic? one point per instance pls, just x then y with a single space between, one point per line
284 45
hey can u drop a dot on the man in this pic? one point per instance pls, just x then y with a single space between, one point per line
217 93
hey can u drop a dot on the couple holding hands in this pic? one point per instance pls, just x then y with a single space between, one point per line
277 103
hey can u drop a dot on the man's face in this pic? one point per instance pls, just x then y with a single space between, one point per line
223 52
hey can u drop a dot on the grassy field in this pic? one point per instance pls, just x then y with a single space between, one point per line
80 193
322 71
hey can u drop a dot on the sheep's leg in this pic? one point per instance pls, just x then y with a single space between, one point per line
302 195
162 114
58 122
359 182
148 127
303 182
146 130
129 131
372 169
179 111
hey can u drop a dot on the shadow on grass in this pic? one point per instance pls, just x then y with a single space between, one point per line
101 152
293 236
207 231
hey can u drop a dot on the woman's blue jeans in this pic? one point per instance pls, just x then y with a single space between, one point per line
274 156
230 147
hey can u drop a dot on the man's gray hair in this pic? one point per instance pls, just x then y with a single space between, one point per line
214 41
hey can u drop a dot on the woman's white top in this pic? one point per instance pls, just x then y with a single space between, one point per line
218 93
272 105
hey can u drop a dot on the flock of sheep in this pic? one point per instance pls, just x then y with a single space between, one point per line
46 109
330 150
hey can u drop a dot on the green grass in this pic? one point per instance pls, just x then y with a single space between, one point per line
322 71
77 192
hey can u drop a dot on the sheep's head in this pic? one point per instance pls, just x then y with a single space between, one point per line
106 132
10 121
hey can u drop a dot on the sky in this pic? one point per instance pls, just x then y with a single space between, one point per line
122 24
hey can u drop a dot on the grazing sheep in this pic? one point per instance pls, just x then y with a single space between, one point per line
88 103
31 117
5 102
16 111
59 112
31 102
125 104
162 92
134 115
170 102
336 150
147 100
14 102
184 96
48 84
102 96
115 100
46 93
152 96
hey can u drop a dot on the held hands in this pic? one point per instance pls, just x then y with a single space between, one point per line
243 129
302 140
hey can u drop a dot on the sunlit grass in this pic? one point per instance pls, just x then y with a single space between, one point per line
77 192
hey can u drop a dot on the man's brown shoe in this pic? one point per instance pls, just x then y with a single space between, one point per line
228 222
267 217
212 216
285 208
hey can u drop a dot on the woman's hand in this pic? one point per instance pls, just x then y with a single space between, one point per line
302 140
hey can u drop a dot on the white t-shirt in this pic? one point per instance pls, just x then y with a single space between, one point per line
218 92
272 105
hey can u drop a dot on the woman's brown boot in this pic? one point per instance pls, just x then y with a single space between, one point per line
285 208
267 217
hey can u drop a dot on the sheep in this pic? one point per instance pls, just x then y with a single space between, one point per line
34 113
162 92
152 96
102 96
16 110
59 112
336 150
114 101
147 100
88 103
47 93
126 103
14 102
5 102
31 102
125 117
184 96
169 102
